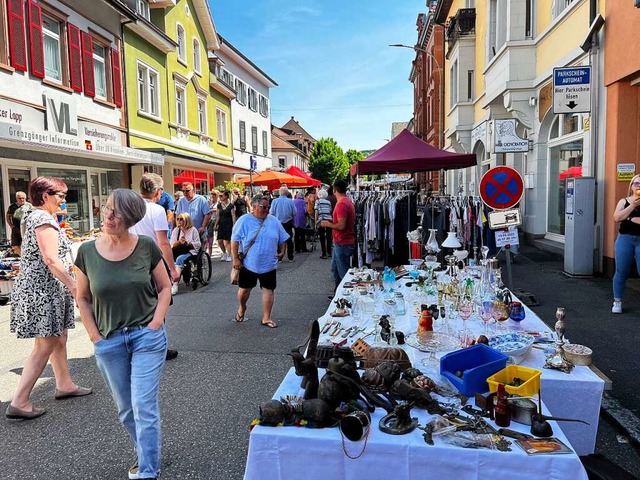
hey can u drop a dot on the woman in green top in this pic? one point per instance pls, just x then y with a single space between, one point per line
123 295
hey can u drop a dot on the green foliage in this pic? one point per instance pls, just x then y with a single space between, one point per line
328 161
230 185
354 156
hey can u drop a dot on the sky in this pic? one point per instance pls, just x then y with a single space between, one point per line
335 72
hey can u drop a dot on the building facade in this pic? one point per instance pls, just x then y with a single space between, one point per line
179 106
62 109
499 65
286 154
250 110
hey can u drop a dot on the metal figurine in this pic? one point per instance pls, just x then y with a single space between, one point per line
557 360
399 421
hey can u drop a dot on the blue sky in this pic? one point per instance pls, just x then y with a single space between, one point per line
330 58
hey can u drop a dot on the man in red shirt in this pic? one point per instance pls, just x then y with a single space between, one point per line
343 226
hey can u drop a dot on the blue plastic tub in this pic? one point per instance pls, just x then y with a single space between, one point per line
477 363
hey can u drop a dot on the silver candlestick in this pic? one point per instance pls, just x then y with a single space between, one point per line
557 360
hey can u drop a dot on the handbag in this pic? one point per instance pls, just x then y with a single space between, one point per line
235 273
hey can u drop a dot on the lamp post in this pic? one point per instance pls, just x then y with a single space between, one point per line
440 99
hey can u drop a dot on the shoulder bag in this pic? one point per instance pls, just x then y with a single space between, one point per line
235 273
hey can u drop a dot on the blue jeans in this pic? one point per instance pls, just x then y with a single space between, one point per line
181 259
626 248
131 361
340 261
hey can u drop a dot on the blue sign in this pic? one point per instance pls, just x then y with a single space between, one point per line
253 163
571 90
571 76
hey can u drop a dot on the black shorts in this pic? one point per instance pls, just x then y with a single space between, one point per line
249 279
16 238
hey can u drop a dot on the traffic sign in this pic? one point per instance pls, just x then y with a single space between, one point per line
572 90
501 188
253 162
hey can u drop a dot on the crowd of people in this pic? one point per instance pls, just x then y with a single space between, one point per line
123 281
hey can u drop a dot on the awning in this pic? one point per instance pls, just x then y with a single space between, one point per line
296 172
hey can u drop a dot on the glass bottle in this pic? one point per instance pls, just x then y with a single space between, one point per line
401 307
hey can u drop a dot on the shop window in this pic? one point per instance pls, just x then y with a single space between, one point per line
243 135
78 207
221 124
265 145
148 101
182 44
202 115
241 92
51 29
100 70
254 139
197 63
181 105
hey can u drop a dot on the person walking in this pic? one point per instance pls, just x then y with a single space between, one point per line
167 203
213 206
323 211
241 203
343 224
300 224
13 220
284 210
627 245
224 225
258 243
196 206
42 298
123 295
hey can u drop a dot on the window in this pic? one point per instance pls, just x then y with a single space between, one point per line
470 85
142 7
100 70
282 162
497 26
181 105
454 84
227 77
265 145
243 136
221 123
202 115
528 21
253 100
197 63
241 92
52 59
148 101
254 139
264 106
182 46
558 7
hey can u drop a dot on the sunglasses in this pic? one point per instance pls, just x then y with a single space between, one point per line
264 207
635 184
179 219
187 191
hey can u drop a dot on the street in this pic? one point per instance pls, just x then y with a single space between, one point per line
225 370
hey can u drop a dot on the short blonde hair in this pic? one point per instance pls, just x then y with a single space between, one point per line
186 218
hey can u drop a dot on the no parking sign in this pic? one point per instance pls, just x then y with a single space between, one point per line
501 188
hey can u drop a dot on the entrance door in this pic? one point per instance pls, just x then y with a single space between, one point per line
18 180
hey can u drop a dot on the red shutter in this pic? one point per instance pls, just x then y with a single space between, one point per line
87 65
36 42
75 57
117 77
17 35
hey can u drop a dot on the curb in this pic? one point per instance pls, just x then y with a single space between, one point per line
623 417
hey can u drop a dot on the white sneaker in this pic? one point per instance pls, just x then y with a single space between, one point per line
223 257
174 289
228 258
617 307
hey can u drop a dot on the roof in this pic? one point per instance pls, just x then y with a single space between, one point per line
294 126
278 143
442 11
278 131
206 22
227 48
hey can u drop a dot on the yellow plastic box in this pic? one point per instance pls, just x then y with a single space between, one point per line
531 378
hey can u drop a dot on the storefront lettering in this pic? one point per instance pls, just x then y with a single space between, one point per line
11 115
46 138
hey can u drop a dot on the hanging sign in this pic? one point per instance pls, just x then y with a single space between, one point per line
501 188
506 138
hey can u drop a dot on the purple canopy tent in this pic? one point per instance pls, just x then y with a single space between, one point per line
407 153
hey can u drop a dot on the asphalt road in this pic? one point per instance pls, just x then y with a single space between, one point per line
225 370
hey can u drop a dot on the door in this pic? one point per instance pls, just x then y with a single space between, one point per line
18 181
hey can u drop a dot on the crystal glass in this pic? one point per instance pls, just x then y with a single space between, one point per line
516 312
465 310
500 313
485 314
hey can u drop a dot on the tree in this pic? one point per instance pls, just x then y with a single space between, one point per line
328 162
354 156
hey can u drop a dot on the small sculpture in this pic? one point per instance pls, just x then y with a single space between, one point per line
418 396
342 307
399 421
557 360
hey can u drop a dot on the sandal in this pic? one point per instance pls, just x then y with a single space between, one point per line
270 324
239 318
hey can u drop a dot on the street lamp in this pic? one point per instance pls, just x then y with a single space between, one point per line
440 99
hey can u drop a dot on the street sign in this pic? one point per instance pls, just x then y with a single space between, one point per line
501 188
253 163
504 218
572 90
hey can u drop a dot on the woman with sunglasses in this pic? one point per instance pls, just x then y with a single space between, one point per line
224 225
185 242
42 299
627 246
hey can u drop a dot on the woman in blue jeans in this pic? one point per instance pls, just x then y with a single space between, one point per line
627 245
123 295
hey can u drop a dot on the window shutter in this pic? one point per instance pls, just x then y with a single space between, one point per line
117 77
36 42
87 64
75 57
17 35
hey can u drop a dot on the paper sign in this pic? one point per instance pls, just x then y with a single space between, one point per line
626 171
507 237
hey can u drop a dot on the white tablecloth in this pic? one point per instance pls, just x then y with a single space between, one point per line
575 395
285 453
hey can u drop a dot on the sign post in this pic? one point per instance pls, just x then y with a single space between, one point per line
572 90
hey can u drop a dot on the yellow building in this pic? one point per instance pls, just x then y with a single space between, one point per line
499 63
176 106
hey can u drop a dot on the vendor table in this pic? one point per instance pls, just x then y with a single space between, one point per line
574 395
284 453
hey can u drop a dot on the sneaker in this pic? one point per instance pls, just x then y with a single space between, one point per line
617 307
228 258
223 257
171 354
174 289
134 472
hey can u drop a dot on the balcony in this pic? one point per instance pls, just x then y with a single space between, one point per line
461 25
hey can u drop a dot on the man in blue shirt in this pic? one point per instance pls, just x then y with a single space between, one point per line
166 202
196 206
284 210
263 242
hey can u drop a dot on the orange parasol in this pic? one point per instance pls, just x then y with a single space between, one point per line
272 180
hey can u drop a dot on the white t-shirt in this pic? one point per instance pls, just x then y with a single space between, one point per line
154 221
